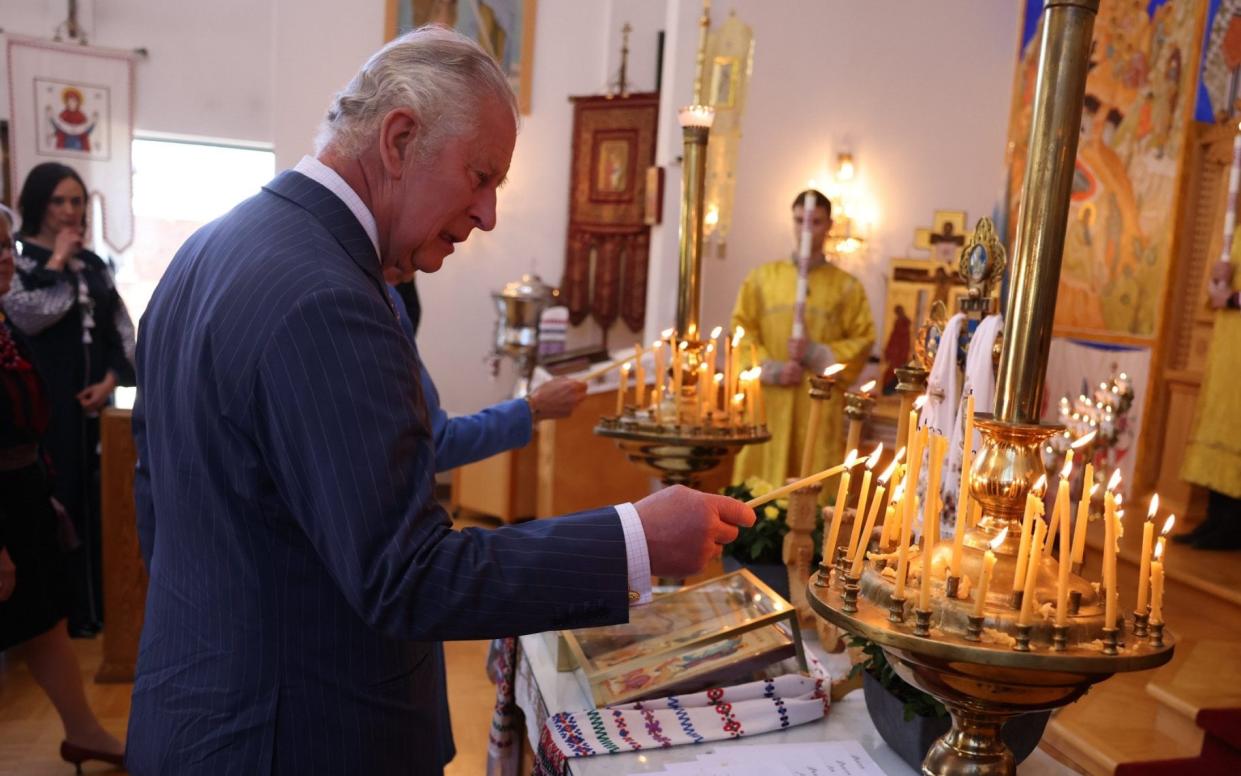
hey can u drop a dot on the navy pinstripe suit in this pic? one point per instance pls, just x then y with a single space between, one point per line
300 569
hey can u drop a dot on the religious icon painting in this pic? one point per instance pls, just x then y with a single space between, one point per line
945 238
504 28
73 118
73 104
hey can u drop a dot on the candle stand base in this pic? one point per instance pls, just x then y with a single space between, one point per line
922 622
1111 641
1059 637
1023 638
973 631
1156 631
896 609
951 586
1140 622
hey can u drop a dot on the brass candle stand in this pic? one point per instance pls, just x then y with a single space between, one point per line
991 667
681 446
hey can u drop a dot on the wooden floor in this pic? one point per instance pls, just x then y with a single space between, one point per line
30 731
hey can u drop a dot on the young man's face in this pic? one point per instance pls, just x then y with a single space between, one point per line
820 225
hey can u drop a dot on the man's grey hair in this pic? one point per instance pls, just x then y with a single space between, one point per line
441 75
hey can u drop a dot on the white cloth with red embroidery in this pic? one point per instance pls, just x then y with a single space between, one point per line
716 714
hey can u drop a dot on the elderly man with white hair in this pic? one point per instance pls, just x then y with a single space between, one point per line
300 568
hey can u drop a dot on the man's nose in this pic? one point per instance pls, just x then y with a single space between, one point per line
483 211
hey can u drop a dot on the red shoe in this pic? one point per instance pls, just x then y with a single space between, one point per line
77 755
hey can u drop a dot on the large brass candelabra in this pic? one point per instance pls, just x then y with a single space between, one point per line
989 668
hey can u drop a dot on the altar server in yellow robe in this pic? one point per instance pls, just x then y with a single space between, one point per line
1213 457
839 329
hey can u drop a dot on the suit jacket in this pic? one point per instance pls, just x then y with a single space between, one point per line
300 568
466 438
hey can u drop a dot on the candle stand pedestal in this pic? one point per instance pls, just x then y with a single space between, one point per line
678 453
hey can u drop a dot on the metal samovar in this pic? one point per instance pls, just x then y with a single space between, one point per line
519 306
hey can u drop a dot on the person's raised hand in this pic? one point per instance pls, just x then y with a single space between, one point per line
68 244
686 528
557 398
1218 294
797 348
791 373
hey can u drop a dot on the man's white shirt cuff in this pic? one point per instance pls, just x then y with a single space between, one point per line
635 551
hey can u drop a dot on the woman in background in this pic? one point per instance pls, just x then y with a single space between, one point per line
34 593
64 301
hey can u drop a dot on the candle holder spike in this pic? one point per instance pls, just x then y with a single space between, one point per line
896 609
973 631
1111 641
1023 638
922 623
1075 601
952 586
1059 637
851 592
1156 635
1140 623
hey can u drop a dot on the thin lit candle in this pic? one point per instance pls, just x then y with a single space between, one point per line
658 347
930 520
1031 585
1066 554
1061 503
639 383
859 513
902 556
1034 506
1157 583
1109 551
621 390
1083 514
984 576
1144 560
859 550
838 509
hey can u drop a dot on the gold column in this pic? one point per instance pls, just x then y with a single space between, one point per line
695 130
1044 211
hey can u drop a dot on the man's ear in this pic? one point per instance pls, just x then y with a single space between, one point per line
398 135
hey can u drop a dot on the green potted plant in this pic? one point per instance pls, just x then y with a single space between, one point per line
910 721
759 548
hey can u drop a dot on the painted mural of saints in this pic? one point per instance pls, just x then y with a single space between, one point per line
71 127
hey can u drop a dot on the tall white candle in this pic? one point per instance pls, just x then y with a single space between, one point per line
1144 560
871 461
803 267
1031 584
838 511
1083 515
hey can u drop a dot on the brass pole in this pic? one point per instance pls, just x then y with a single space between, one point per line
693 190
1043 214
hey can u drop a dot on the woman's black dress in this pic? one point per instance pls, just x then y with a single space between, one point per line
28 526
78 330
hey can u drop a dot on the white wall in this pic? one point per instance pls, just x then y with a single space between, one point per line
919 91
208 72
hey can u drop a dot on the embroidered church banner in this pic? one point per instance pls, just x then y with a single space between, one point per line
1140 94
74 105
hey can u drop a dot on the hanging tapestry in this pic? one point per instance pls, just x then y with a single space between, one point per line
608 242
74 105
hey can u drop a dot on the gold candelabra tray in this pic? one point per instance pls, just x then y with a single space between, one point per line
678 452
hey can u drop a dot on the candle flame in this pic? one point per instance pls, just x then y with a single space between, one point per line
683 346
873 459
1119 499
657 344
1159 548
626 367
899 493
719 377
900 456
716 332
851 459
1114 482
888 472
999 539
920 401
834 369
1094 489
1167 525
1040 485
1082 441
1154 507
738 398
738 334
667 333
867 387
1067 469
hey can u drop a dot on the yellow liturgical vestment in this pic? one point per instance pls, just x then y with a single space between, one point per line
837 315
1213 457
